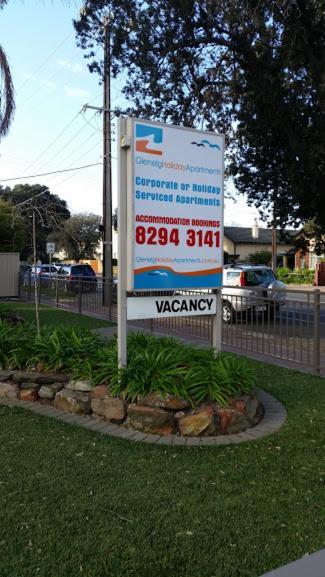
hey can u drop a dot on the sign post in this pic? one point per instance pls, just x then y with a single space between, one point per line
170 222
50 249
123 144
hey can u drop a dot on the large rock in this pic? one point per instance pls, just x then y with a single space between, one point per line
5 376
203 422
248 405
25 377
232 421
8 391
52 378
73 402
238 403
28 394
99 391
48 402
108 407
150 420
49 391
164 402
29 385
83 386
38 377
254 409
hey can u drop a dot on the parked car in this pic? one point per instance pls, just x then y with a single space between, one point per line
239 296
74 275
44 272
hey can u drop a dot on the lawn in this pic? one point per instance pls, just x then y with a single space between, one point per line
75 503
52 316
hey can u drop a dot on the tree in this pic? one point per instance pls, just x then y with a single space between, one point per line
50 212
7 102
79 236
254 70
12 229
261 257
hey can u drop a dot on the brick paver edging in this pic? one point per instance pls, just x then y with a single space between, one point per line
275 416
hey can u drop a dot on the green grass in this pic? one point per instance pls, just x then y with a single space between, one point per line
53 317
74 503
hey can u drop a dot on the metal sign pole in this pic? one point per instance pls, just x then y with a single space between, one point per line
217 324
122 244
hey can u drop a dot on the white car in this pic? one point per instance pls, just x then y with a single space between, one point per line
239 295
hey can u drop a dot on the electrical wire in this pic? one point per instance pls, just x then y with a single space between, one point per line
55 140
45 61
53 172
77 160
64 146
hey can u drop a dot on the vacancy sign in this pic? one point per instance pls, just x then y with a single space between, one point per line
177 306
175 208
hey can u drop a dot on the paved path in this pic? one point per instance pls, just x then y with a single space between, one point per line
275 416
309 566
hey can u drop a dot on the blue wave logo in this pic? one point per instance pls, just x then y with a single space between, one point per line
205 142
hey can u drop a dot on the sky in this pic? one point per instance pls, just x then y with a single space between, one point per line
50 132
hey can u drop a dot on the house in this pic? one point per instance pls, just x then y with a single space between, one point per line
308 258
240 242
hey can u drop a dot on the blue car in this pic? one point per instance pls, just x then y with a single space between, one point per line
74 275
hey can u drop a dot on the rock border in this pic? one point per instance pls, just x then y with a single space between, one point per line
274 417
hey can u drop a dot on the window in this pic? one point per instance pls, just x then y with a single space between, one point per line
259 277
233 278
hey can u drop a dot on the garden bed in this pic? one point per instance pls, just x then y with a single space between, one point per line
154 413
167 387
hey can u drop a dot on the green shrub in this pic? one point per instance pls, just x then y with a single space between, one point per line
296 276
162 365
16 345
261 257
62 349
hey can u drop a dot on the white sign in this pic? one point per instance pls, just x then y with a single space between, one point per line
175 306
50 247
175 207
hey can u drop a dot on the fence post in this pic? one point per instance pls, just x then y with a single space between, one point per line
217 324
57 292
39 281
79 297
29 288
110 292
317 331
19 285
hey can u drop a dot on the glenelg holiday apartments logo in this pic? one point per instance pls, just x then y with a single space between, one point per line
148 139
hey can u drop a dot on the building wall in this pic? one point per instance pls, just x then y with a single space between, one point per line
9 274
228 245
245 249
307 259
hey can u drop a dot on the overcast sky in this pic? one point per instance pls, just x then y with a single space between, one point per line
49 131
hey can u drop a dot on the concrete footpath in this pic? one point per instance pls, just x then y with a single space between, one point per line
309 566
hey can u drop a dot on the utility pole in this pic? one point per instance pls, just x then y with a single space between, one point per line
274 242
107 172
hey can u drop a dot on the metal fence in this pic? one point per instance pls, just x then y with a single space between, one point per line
286 326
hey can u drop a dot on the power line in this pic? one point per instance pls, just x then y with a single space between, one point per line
54 141
53 172
45 61
77 160
64 146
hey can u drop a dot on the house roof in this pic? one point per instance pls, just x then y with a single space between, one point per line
239 234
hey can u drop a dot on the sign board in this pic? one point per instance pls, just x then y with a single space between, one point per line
50 247
175 306
175 207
